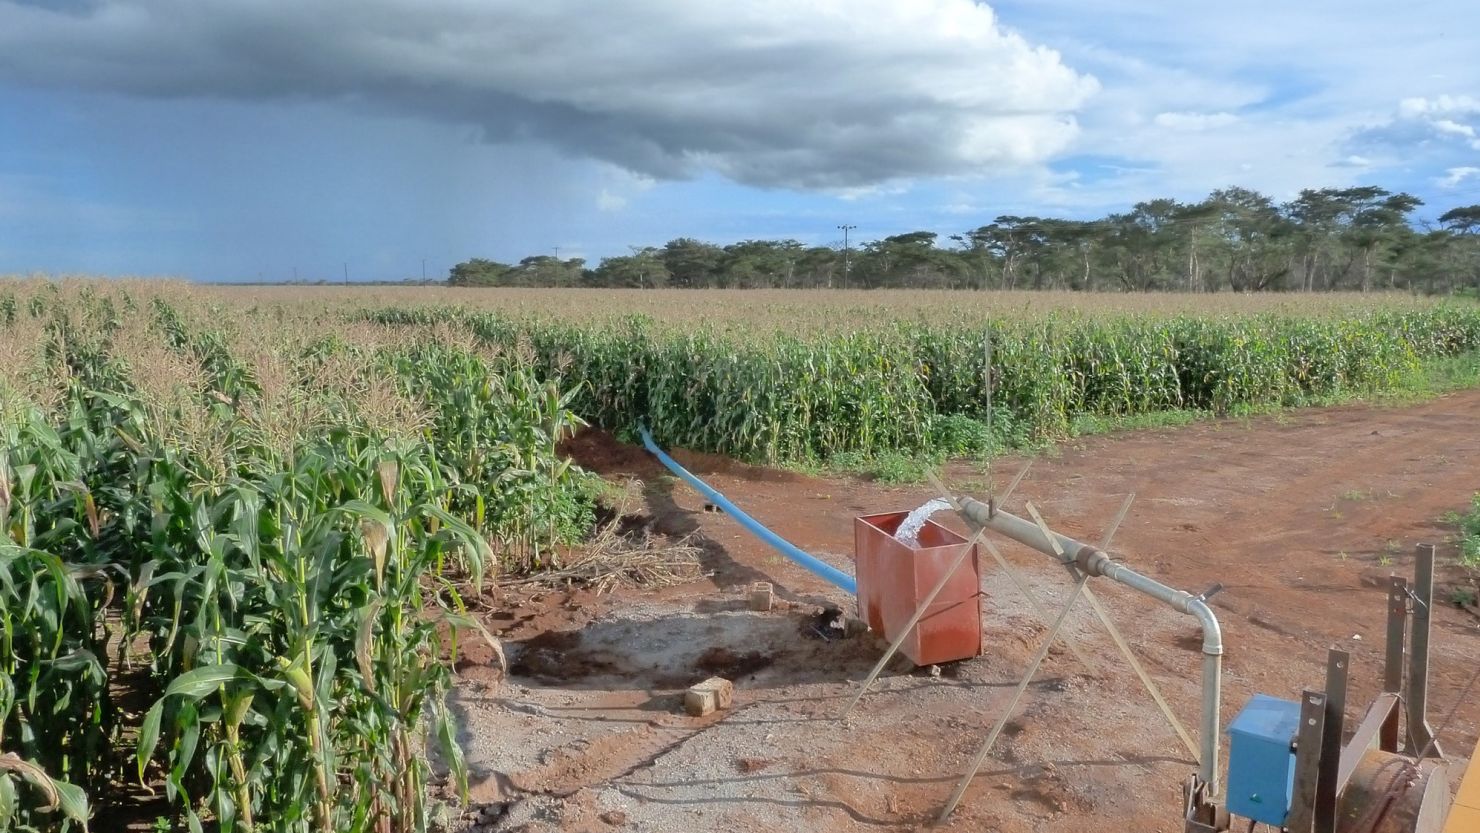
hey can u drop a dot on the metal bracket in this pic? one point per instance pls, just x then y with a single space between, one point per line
1420 734
1307 762
1199 813
1210 592
1327 786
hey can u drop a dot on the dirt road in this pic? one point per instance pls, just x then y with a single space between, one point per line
1301 517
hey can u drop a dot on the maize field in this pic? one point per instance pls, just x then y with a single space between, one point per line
241 530
779 397
268 537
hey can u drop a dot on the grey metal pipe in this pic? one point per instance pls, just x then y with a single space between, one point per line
1096 563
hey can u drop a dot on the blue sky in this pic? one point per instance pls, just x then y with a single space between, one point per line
231 141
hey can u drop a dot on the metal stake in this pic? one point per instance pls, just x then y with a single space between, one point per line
1329 767
1301 818
1392 675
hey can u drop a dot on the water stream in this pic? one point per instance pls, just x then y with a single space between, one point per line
909 530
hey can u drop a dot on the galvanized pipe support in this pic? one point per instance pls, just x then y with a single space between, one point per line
1095 562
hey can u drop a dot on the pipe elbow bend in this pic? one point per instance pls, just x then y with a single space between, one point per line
1212 631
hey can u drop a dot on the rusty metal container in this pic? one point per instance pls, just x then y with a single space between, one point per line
893 578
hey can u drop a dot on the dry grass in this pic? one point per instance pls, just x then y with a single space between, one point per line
614 560
302 308
618 556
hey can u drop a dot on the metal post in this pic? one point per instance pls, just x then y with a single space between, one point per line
1392 674
1208 729
1329 766
1307 763
1420 734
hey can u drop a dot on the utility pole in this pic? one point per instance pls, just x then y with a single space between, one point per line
423 270
846 229
346 273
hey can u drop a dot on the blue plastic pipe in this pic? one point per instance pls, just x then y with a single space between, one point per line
817 567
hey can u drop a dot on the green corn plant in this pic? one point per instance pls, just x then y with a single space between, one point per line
315 649
54 711
877 388
30 798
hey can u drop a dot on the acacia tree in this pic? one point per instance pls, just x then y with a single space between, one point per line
1251 238
1235 239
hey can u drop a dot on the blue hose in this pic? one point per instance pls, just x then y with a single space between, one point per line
819 568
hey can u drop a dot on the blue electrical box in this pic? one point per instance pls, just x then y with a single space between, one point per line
1261 759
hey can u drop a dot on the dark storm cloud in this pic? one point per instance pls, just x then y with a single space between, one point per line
821 94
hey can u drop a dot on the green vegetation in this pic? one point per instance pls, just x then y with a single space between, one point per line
261 522
1469 535
289 518
920 389
1236 239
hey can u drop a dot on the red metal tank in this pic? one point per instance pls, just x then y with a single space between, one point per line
894 577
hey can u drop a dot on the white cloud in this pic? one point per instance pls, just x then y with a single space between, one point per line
1301 78
1454 128
1454 176
1194 121
607 201
826 94
1442 105
1443 127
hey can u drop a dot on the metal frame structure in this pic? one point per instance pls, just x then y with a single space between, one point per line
1324 768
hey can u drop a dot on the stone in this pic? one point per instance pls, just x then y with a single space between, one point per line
714 694
762 596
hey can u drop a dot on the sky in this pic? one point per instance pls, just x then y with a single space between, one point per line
252 140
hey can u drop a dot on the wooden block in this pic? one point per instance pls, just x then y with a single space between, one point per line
715 693
761 596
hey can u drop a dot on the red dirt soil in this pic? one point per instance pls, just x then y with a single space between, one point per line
1300 516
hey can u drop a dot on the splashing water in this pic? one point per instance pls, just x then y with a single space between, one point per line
909 531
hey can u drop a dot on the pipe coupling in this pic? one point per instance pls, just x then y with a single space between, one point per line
1092 561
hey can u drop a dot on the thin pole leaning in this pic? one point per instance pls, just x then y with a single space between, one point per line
1017 694
1115 634
1125 648
1053 632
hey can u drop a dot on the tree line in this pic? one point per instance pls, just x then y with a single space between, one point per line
1236 239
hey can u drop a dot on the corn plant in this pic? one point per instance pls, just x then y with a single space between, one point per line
497 428
306 652
885 387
